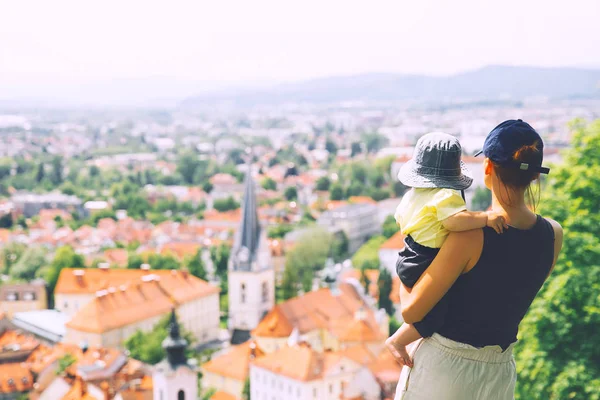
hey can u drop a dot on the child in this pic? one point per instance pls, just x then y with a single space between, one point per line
433 207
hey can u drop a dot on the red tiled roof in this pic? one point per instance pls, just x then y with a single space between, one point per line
235 362
396 242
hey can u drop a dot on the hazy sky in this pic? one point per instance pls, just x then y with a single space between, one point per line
52 43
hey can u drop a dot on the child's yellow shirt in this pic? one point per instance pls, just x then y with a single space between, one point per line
421 212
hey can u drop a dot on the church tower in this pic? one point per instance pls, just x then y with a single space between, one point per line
251 276
174 378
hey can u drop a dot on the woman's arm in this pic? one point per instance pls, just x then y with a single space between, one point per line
460 251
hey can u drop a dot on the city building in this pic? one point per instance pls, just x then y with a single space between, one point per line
19 297
388 252
173 378
47 325
327 319
297 371
358 221
228 371
30 204
106 306
251 276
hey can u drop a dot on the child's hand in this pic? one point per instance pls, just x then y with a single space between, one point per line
496 221
399 352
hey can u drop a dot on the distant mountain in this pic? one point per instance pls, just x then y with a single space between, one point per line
488 83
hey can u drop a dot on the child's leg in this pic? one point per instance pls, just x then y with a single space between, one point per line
397 343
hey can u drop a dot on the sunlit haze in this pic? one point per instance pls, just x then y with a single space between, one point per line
47 46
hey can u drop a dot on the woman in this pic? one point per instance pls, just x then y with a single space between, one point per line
489 280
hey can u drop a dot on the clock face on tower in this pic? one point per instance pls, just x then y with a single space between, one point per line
243 254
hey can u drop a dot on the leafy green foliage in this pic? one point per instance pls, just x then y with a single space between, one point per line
339 246
227 204
291 193
196 267
368 255
65 362
279 231
390 227
482 199
557 355
147 346
269 184
65 257
28 264
323 183
337 192
384 283
308 256
246 390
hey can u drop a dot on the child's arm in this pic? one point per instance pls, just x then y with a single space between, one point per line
468 220
397 343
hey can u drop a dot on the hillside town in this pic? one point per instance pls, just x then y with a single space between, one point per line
227 255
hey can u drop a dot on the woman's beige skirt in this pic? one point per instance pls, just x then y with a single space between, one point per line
448 370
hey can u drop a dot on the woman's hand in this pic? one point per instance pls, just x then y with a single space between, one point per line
399 352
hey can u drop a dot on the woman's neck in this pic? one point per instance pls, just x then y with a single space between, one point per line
511 204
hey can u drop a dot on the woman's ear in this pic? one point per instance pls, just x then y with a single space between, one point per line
487 166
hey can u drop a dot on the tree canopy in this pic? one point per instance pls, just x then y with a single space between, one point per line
557 355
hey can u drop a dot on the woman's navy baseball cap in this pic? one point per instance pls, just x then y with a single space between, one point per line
508 137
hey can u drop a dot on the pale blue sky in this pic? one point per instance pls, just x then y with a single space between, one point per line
45 44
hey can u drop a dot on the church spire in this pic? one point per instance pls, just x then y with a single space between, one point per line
247 239
174 345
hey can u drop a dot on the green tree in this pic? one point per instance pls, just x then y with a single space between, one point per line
557 355
28 264
147 346
374 142
40 174
246 390
330 146
323 183
227 204
306 258
368 254
279 231
482 199
384 283
65 362
56 175
11 253
269 184
291 193
65 257
390 227
340 243
379 194
355 149
195 266
6 221
220 257
187 166
207 187
94 171
399 189
337 192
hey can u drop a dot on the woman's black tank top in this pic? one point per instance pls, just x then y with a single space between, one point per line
486 305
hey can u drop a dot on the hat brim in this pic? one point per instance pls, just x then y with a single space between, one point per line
409 176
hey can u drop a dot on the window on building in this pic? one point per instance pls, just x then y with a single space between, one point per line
180 395
12 296
265 292
330 388
28 296
243 293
